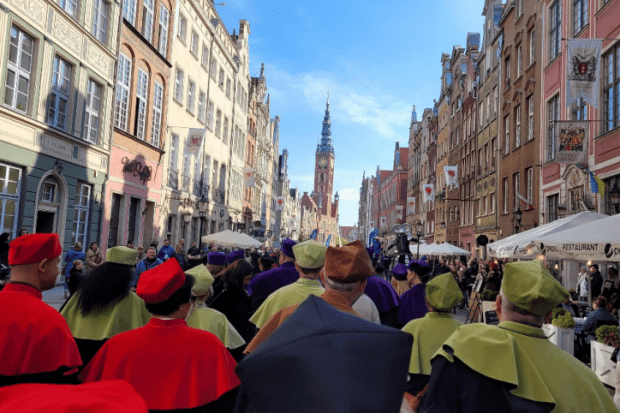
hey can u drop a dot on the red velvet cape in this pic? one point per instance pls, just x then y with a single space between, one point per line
34 337
171 365
104 397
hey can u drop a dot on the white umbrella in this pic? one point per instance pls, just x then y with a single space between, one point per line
424 248
598 241
448 249
232 239
520 245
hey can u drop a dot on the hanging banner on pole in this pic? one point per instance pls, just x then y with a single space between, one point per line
383 221
372 225
411 205
279 203
194 140
248 177
572 142
583 61
314 233
452 175
429 192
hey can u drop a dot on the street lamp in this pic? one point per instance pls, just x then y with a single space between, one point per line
419 232
518 215
203 205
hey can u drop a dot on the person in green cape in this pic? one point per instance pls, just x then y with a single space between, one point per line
209 319
430 331
104 304
309 260
513 367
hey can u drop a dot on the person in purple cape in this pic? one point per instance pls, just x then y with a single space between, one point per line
412 304
382 294
267 282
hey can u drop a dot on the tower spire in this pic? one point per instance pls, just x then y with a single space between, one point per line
326 135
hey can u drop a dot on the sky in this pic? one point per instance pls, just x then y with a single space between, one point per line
376 58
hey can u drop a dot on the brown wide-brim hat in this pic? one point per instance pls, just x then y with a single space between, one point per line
348 264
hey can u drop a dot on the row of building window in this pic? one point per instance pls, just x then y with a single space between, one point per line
18 87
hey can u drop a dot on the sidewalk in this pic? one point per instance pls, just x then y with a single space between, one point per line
55 297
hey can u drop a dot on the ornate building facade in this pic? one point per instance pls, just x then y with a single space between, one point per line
56 108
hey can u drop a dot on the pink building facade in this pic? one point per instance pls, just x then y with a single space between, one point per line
133 194
566 188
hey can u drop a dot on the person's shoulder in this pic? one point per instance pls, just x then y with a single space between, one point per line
201 336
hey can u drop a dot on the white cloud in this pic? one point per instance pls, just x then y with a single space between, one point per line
350 194
350 101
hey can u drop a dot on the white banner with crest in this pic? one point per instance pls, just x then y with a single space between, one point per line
584 70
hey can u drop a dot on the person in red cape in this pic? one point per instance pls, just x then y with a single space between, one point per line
112 396
35 341
172 366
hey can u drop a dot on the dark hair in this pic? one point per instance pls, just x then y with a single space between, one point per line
266 262
181 296
601 302
309 271
379 269
595 266
91 244
234 274
105 286
612 269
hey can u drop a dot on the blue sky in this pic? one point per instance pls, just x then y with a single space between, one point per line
377 58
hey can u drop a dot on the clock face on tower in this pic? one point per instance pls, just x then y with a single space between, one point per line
323 163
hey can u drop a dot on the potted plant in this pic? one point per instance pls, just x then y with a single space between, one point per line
488 295
561 331
606 341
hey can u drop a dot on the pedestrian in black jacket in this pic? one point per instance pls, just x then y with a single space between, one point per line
596 281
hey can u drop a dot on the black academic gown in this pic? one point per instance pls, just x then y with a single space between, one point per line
455 384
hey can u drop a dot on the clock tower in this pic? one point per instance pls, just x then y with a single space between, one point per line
325 157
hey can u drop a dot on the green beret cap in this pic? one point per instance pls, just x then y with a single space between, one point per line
204 280
443 293
310 254
121 255
530 286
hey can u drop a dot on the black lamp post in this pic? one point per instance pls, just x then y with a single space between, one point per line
203 205
518 214
419 232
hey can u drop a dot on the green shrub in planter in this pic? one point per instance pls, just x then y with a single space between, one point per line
563 319
607 334
488 295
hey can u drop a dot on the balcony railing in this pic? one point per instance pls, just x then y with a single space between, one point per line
173 179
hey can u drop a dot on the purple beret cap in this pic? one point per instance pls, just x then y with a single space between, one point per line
235 256
216 258
400 272
287 247
419 267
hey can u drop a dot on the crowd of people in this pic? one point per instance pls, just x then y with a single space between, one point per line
305 328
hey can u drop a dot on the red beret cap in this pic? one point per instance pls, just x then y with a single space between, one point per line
158 284
348 264
34 248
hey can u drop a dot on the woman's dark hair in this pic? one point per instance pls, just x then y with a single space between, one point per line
91 245
181 296
265 262
4 245
601 302
105 286
234 274
379 269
